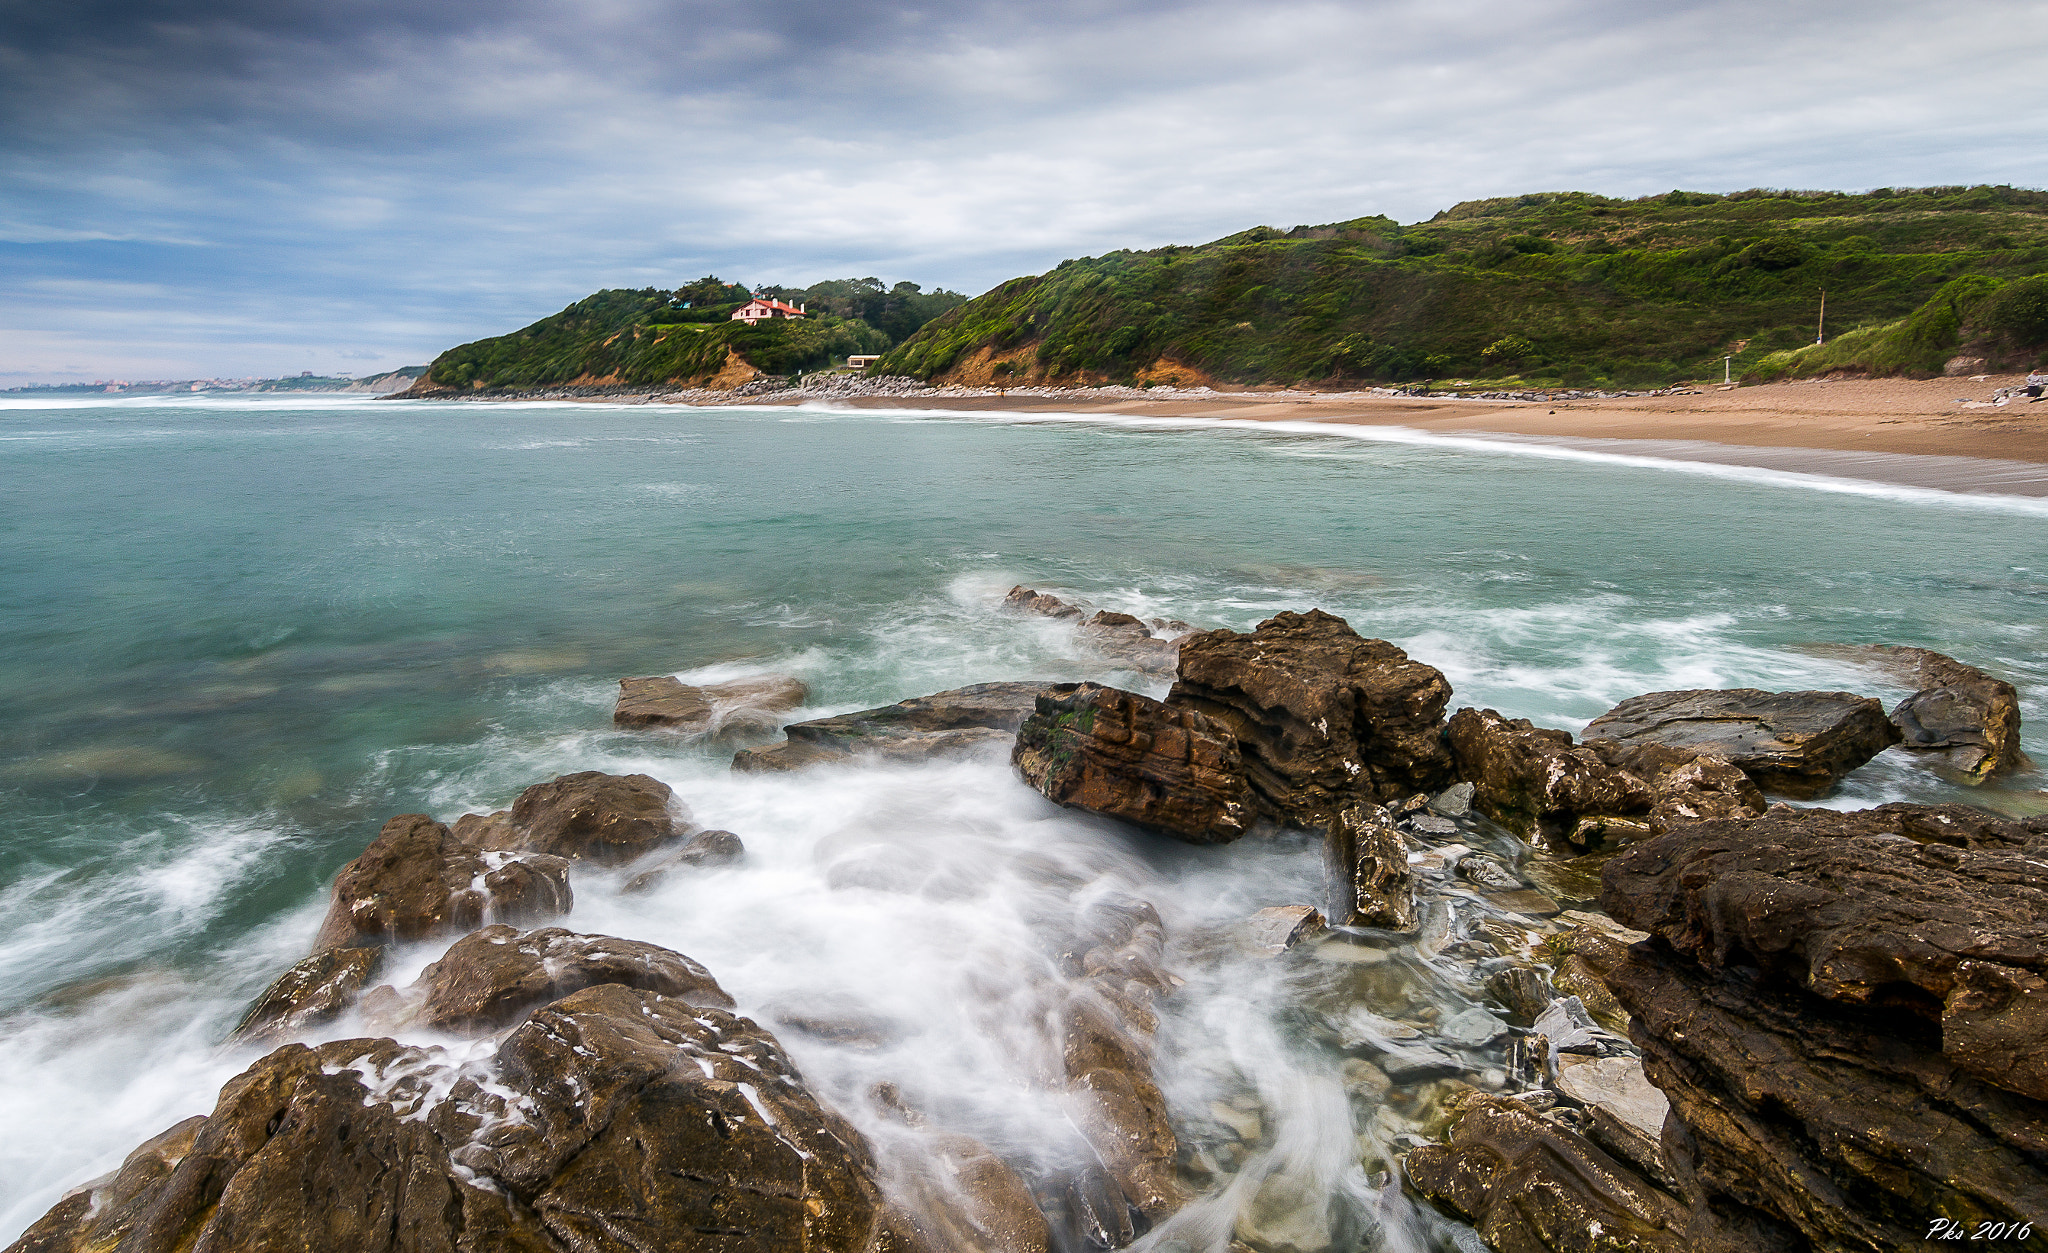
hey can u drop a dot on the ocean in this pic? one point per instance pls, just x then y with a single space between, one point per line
237 635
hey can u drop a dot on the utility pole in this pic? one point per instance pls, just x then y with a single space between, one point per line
1820 330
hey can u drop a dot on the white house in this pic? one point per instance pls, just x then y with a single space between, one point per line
761 308
862 363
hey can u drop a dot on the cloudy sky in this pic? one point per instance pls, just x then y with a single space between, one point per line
193 188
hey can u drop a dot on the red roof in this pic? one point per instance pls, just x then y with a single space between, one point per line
772 303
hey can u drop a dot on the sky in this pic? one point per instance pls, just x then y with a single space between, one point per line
193 189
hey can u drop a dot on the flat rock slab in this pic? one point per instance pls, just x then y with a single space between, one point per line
967 721
1797 744
714 708
1964 720
1129 757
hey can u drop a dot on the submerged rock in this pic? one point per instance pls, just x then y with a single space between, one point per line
417 880
316 990
981 718
1281 927
1323 716
614 1119
713 708
1854 908
702 850
1129 757
1129 641
1961 717
606 818
1797 744
1022 599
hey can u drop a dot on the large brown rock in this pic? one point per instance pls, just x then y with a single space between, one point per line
1529 1185
605 818
1853 908
1967 722
742 705
1126 756
1535 781
980 719
492 978
416 880
1366 863
1843 1121
314 991
613 1121
1323 716
1797 744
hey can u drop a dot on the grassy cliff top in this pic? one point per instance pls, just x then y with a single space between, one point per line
1563 287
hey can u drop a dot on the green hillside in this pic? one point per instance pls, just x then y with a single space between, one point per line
1564 288
650 337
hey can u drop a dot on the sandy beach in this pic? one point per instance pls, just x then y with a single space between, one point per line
1921 432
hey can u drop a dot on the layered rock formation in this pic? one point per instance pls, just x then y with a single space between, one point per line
1535 782
1322 716
1846 1013
1796 744
742 705
981 718
1965 721
1127 756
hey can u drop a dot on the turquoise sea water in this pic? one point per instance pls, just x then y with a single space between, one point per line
237 636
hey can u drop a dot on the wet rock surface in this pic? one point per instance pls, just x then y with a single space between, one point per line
741 705
1536 782
1126 756
606 818
1797 744
314 991
1964 720
492 978
702 851
613 1119
1322 715
417 880
1151 645
978 719
1366 863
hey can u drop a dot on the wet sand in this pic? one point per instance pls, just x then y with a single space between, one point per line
1910 431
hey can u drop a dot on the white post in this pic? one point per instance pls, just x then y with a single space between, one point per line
1727 365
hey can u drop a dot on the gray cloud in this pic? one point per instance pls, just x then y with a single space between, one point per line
386 179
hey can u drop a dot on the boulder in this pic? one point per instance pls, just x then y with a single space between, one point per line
493 978
1323 716
1965 721
316 990
605 818
416 880
963 722
742 705
702 850
1129 641
615 1119
1366 862
1022 599
1536 782
1529 1184
1865 909
1797 744
1843 1121
1125 756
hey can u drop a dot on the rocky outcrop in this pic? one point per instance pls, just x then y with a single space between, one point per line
492 978
1366 862
615 1119
610 819
316 990
1966 722
1125 756
416 880
1150 645
1797 744
1535 782
1855 910
1022 599
1323 716
967 721
1528 1184
742 705
1845 1011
